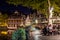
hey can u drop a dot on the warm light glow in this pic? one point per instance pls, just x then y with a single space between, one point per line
36 21
4 32
3 24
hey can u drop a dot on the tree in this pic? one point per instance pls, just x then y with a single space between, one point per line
3 19
40 5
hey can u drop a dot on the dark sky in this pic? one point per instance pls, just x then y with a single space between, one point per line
10 8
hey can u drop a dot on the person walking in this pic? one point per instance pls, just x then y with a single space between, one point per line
50 29
45 30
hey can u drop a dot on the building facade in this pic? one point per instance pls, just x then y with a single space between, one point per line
13 22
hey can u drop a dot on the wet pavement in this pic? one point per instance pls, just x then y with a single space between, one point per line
55 37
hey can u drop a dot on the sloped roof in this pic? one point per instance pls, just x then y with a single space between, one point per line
10 8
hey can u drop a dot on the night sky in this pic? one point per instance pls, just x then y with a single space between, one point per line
10 8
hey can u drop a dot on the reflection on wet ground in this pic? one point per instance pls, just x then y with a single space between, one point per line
53 37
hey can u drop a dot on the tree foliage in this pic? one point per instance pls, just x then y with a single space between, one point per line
40 5
3 18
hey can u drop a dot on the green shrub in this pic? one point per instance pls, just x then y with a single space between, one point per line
19 34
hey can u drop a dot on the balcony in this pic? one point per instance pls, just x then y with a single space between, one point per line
12 28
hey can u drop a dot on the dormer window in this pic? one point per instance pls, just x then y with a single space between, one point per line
16 12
